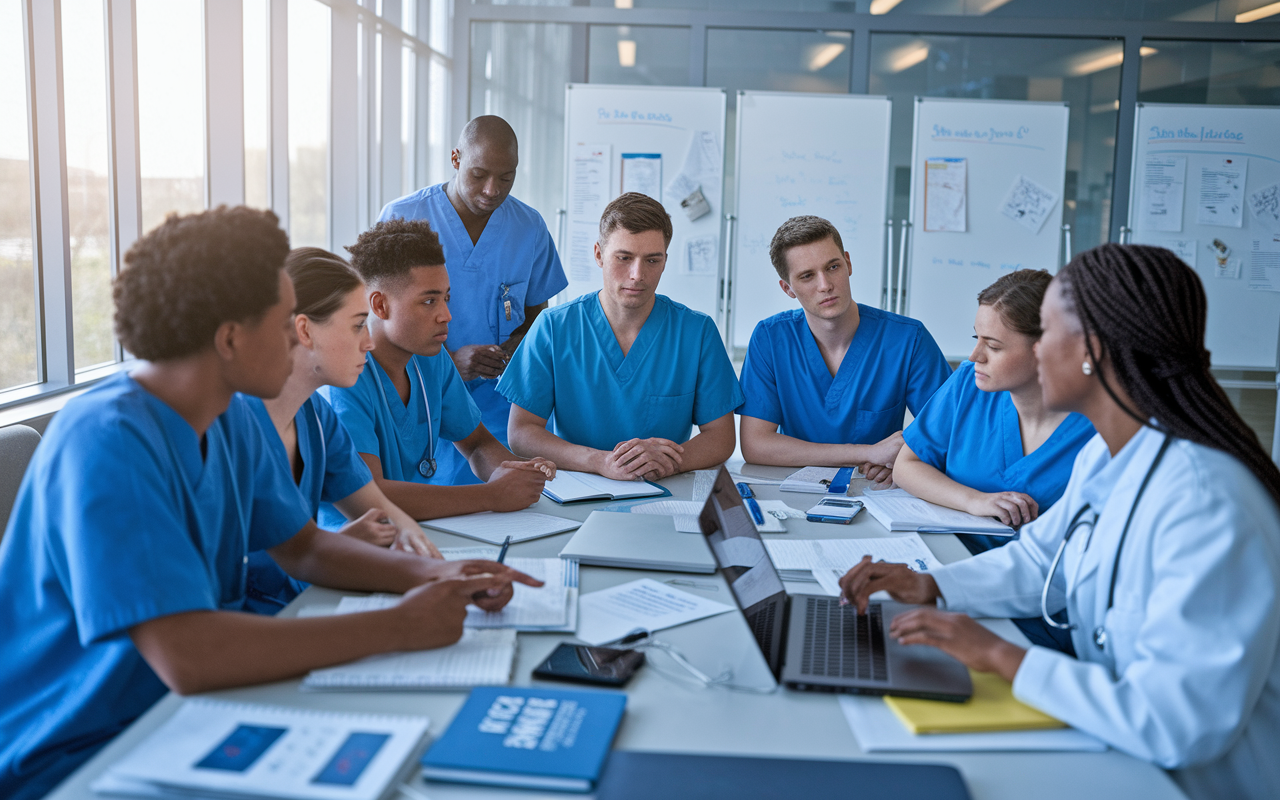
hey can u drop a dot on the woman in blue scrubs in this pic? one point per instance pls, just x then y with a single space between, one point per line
985 443
305 434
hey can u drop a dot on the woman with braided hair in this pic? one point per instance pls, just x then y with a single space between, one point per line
1164 550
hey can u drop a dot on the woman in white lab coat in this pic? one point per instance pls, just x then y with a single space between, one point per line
1170 543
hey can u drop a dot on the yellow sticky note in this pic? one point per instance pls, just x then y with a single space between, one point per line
992 708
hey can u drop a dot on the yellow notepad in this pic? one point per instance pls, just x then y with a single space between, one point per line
992 708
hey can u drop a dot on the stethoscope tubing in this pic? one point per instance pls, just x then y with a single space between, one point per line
427 463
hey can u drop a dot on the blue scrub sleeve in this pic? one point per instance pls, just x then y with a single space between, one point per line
718 392
759 384
529 379
344 471
929 370
929 434
356 410
546 275
119 532
459 415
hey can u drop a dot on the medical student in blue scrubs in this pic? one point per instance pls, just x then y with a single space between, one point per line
503 266
410 404
1164 550
124 560
828 384
985 443
625 372
331 323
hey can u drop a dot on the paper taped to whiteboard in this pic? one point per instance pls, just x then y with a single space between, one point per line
1264 204
1164 180
701 255
642 172
1264 265
1028 203
1184 249
1222 193
946 195
589 181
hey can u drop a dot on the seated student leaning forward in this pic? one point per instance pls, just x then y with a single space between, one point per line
410 396
829 383
123 563
625 373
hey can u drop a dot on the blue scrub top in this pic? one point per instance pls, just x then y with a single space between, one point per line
120 520
514 259
892 364
397 433
331 470
973 437
675 376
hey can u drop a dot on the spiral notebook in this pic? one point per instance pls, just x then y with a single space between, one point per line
483 657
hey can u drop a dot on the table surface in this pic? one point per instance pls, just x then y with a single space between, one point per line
666 714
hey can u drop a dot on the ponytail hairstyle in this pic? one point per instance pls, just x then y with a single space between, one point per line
321 280
1016 297
1146 310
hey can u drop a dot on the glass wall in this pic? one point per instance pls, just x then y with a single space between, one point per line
638 54
309 48
84 80
780 61
1213 73
518 71
438 145
17 272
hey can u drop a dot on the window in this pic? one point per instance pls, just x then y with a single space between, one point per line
309 43
256 107
17 271
638 54
784 61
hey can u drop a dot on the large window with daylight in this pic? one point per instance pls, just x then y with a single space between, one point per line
17 270
309 48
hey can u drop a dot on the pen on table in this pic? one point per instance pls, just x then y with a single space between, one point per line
502 554
744 489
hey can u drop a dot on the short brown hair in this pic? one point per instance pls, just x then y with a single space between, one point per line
321 280
797 232
1016 297
387 251
637 213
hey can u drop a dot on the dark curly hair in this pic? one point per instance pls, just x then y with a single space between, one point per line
387 251
191 274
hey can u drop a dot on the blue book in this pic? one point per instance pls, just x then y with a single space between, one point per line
533 738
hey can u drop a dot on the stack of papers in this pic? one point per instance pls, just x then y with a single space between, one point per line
573 487
494 527
826 560
811 480
643 605
212 748
899 510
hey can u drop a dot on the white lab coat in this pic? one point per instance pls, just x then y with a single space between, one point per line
1190 678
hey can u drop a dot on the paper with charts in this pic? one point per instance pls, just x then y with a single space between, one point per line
946 195
1028 203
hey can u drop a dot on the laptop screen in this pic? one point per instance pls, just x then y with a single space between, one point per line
752 578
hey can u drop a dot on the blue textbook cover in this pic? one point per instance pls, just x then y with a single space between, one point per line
529 737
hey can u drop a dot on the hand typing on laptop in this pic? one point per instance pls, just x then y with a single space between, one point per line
868 577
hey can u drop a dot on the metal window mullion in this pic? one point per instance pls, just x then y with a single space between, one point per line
224 102
389 159
1130 71
698 55
278 110
50 206
860 55
344 129
124 164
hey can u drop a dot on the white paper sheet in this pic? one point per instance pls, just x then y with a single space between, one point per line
608 615
701 255
842 554
704 480
1229 271
878 730
480 658
1184 249
1221 199
946 195
1264 205
1164 180
685 512
1028 203
642 172
494 527
1264 265
589 180
582 257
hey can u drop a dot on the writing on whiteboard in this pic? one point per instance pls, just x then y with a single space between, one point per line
991 135
1191 133
620 114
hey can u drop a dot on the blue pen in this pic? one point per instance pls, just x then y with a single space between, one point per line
744 489
502 554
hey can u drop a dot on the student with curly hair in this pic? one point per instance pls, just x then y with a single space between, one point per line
410 396
1164 551
124 560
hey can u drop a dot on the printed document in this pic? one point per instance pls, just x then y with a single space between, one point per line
642 605
1028 204
1164 180
1222 192
483 657
946 195
827 560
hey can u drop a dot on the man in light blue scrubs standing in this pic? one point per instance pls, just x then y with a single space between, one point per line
624 372
503 266
124 562
829 383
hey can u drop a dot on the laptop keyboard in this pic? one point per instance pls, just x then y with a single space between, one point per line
840 643
762 627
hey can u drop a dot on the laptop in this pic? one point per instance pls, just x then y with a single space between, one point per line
811 642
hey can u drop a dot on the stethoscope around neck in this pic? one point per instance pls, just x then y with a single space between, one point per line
427 463
1079 520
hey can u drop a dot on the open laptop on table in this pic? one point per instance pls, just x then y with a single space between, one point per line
811 642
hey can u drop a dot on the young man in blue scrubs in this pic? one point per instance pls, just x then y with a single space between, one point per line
123 563
502 264
410 395
625 372
829 383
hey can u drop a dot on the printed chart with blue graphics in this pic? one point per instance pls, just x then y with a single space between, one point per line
826 155
1206 185
987 182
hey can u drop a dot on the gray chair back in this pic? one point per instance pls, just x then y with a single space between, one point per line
17 443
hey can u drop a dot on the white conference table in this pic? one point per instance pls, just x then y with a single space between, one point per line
664 714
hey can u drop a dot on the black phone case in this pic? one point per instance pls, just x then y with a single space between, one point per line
577 663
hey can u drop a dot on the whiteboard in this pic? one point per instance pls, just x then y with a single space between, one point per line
645 135
1244 323
807 154
1001 142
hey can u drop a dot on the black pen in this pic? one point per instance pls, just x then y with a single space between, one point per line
502 554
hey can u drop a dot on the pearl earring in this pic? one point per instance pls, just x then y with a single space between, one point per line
1087 368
